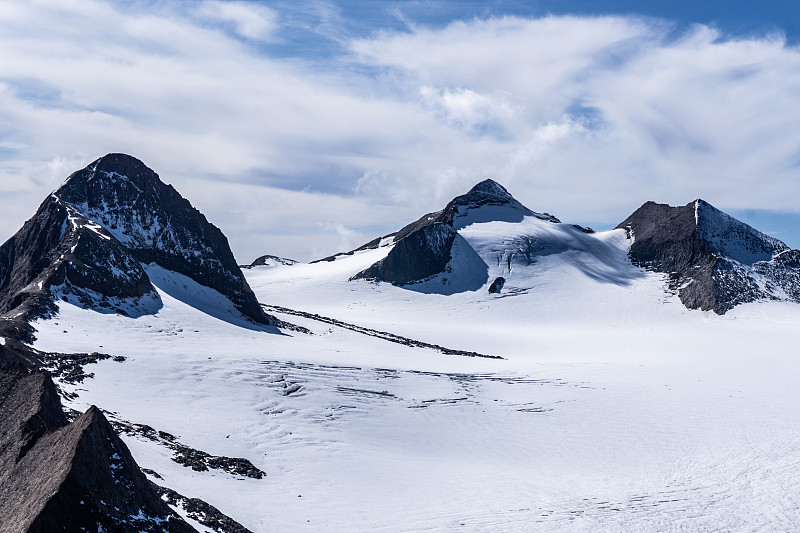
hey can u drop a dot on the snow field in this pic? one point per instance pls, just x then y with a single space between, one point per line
615 408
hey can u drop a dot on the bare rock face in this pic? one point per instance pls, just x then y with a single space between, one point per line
60 476
60 251
421 254
713 261
89 239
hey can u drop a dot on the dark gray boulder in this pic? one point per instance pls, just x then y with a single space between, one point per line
713 261
497 285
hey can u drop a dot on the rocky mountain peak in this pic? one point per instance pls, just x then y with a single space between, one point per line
93 235
714 261
115 183
488 201
491 187
423 248
113 169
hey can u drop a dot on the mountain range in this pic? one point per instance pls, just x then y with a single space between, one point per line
117 242
713 261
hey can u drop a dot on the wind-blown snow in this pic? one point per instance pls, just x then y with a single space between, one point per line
615 408
514 251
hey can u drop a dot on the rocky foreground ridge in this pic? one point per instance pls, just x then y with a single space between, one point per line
57 475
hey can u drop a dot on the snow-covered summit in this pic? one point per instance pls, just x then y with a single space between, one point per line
489 235
488 201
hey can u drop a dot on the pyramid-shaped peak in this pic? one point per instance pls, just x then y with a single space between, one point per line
113 174
124 197
489 186
121 163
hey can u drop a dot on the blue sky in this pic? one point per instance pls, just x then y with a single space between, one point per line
304 128
734 17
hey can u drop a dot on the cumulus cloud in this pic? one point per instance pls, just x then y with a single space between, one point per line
582 117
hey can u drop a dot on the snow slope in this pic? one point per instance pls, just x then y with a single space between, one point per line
614 408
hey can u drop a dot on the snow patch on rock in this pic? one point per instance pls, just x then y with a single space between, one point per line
733 239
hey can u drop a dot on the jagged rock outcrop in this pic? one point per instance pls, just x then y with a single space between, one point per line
90 238
60 251
713 261
60 476
421 254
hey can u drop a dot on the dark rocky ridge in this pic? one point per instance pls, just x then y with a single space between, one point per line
374 244
60 476
713 261
206 514
59 247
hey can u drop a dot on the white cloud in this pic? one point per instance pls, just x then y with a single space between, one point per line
249 19
470 110
582 117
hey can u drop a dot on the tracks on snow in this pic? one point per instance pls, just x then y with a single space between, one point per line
391 337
